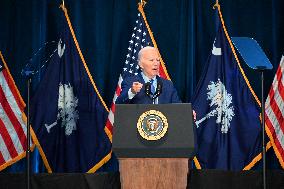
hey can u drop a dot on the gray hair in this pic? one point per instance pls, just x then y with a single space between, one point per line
140 53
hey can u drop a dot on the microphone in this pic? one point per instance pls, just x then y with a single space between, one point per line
159 88
148 89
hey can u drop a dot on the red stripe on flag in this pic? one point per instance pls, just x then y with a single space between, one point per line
108 123
281 90
109 126
13 118
274 107
113 108
2 161
279 73
7 140
280 87
118 90
276 141
13 89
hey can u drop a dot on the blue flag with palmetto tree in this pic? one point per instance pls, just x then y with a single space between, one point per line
228 125
68 114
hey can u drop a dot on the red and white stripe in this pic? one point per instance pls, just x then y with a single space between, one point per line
274 111
110 119
12 127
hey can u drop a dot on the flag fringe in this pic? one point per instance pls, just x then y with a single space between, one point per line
141 10
235 55
259 156
100 163
248 167
82 57
108 156
277 153
14 160
37 144
12 79
196 163
108 132
23 154
41 152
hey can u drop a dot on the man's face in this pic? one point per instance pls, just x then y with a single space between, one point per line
150 63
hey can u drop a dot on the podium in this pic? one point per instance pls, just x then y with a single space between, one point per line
161 163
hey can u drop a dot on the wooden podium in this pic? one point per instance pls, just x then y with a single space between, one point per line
159 164
156 173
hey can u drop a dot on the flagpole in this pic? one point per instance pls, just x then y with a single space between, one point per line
28 168
263 129
261 69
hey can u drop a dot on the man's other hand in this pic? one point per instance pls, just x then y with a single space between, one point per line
136 87
194 115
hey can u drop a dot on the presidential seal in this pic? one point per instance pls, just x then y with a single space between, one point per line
152 125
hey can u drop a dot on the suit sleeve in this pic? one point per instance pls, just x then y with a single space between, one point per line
123 97
174 97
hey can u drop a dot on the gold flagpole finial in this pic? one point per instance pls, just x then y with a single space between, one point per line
142 3
217 5
62 5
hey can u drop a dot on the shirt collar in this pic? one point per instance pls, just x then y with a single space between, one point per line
147 79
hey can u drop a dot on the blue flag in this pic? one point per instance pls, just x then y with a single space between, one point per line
228 123
68 114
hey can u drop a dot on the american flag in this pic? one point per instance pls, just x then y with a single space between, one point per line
12 127
274 113
141 37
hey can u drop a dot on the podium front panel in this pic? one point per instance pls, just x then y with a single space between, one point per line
177 143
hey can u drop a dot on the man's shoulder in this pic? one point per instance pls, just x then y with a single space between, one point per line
165 81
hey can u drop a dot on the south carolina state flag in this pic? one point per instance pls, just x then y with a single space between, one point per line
68 114
228 122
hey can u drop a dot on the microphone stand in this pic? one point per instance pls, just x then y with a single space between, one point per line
261 70
28 152
150 94
28 74
155 95
154 99
257 60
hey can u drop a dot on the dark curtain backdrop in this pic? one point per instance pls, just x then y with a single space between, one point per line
184 31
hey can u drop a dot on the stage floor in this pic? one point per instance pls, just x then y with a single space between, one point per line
61 181
217 179
197 179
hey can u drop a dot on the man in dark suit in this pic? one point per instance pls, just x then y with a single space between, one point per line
133 91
